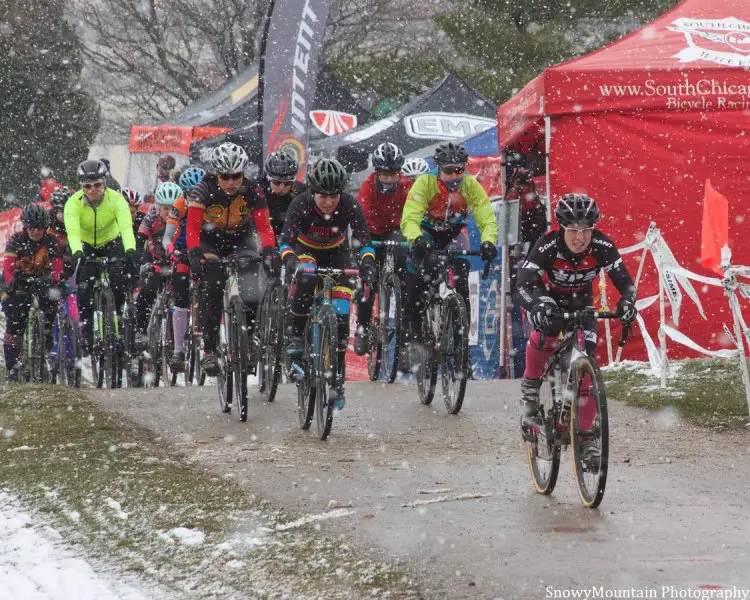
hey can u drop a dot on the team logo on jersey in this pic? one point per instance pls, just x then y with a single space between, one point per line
333 122
723 41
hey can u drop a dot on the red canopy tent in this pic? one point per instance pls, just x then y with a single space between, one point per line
641 125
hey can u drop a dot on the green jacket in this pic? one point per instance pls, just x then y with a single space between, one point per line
97 226
431 204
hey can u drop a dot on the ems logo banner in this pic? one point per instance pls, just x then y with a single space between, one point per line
333 122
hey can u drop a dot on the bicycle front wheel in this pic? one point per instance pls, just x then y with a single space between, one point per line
428 368
374 347
390 334
68 352
110 360
305 389
238 351
589 430
38 370
132 362
167 348
325 370
542 451
455 352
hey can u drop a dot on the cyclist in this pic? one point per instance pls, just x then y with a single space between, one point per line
56 213
135 202
315 232
281 186
175 245
98 223
558 273
152 255
414 167
33 263
222 210
382 197
435 216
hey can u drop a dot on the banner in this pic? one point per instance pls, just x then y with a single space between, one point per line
161 138
291 44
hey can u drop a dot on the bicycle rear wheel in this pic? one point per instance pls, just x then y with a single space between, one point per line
374 347
238 352
589 430
391 335
542 451
325 370
455 352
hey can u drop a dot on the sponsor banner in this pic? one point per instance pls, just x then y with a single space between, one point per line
474 308
162 138
292 41
722 41
445 126
333 122
203 133
10 223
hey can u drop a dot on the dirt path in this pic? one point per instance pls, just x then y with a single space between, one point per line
675 510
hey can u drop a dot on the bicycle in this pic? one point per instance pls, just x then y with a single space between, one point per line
66 349
271 337
571 379
159 335
445 334
34 367
237 348
385 334
317 371
132 361
106 351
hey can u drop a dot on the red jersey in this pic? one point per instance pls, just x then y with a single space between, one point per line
383 211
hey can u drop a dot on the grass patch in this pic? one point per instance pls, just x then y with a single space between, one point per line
705 391
128 501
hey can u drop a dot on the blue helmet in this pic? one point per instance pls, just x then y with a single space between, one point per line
191 177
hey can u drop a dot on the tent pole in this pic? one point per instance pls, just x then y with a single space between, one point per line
503 287
547 144
127 169
662 333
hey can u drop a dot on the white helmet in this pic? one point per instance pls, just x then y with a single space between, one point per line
414 167
228 159
167 193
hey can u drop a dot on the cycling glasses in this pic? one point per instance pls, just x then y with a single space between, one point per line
580 231
93 186
280 182
452 170
230 176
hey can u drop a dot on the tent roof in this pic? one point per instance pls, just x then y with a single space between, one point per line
453 106
693 57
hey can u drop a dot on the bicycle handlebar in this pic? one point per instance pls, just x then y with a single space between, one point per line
315 270
390 244
456 252
590 312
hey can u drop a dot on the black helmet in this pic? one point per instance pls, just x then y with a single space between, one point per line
59 197
281 166
327 176
92 170
451 155
34 216
576 209
388 158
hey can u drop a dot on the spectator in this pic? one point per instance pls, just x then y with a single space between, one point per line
109 179
47 185
164 167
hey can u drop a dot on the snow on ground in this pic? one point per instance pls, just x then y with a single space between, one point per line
36 565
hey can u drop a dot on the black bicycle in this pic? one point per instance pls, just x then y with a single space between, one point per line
238 348
159 352
194 342
271 337
572 411
445 334
132 361
34 365
66 365
385 334
318 370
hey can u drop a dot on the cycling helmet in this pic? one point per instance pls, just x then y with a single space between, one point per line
327 176
34 216
414 167
132 196
90 171
281 166
449 154
388 157
576 209
167 192
228 159
59 197
191 177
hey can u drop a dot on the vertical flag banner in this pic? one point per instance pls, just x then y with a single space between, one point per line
294 34
715 232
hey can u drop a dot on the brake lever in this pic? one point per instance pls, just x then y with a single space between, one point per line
624 335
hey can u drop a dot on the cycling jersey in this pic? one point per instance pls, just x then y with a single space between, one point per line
98 225
151 231
215 216
430 205
383 211
306 226
550 269
176 231
279 205
28 259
